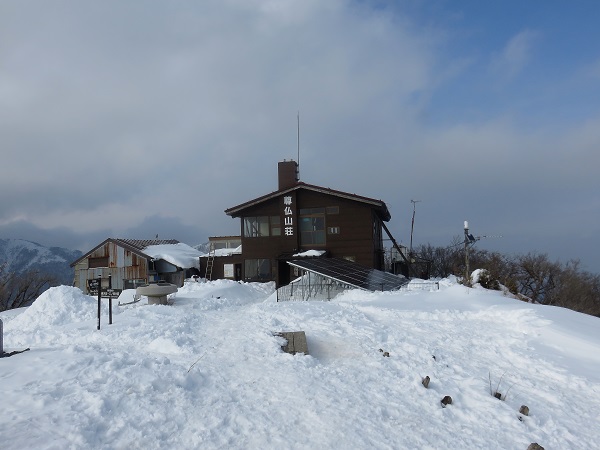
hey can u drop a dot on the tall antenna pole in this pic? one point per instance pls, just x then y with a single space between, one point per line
298 140
412 227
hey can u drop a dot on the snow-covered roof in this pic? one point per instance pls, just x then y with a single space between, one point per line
171 250
226 251
310 253
180 254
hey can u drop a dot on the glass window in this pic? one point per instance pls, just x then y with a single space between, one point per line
262 226
312 230
257 269
256 226
311 211
333 230
332 210
133 284
275 226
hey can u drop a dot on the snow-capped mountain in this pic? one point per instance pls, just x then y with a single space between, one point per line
21 255
204 248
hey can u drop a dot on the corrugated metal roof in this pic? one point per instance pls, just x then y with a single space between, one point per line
141 244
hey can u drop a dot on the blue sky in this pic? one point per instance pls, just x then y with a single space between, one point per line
137 118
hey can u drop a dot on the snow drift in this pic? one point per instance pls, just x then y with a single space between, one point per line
207 372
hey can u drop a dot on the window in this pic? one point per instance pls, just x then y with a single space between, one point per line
332 210
257 269
312 230
262 226
133 284
256 226
312 211
98 262
275 226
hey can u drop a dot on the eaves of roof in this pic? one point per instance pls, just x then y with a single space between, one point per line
380 205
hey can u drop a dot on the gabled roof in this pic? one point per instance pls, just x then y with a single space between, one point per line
136 246
378 205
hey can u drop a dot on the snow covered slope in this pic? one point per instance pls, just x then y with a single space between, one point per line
208 373
21 255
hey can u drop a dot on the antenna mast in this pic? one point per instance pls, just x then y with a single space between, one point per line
298 140
412 227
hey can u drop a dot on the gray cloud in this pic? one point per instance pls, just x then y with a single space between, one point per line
125 118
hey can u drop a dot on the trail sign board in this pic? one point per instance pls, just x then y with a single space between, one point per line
93 286
105 293
110 293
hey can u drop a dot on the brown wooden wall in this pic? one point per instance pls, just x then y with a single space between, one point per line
355 240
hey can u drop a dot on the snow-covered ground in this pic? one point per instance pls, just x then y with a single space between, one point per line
207 372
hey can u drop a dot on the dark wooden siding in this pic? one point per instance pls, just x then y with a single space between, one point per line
355 221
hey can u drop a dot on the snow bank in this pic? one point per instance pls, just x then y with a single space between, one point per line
223 293
208 372
59 305
56 309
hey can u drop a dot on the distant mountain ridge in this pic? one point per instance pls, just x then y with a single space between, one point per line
21 255
204 248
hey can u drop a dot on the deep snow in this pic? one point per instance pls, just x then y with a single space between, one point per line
207 372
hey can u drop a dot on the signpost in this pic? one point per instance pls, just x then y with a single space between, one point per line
99 288
95 288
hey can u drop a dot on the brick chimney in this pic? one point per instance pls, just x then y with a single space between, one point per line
288 174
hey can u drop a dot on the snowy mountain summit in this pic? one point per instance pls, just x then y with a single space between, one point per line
209 372
20 256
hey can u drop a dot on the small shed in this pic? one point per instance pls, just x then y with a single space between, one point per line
135 262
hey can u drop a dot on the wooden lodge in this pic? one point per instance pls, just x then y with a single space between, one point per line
135 262
300 219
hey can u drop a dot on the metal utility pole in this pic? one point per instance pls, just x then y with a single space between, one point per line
412 227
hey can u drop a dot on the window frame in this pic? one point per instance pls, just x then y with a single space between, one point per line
262 267
316 233
261 226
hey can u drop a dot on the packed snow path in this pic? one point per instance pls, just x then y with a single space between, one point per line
207 372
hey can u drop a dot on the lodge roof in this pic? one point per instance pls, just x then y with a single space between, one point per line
136 246
379 205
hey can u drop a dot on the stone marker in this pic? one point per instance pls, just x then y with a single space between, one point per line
296 342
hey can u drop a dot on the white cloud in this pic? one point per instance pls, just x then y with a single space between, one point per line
515 55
